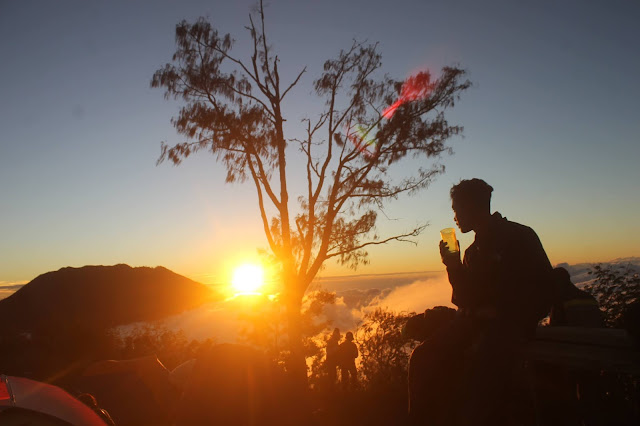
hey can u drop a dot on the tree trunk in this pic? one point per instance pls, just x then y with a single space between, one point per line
297 364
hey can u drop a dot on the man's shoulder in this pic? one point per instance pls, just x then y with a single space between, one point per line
515 228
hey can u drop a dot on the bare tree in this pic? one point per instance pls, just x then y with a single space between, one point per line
370 124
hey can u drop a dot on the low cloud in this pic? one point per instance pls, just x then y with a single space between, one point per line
580 272
341 315
416 297
220 321
371 281
209 321
355 296
7 288
10 286
358 299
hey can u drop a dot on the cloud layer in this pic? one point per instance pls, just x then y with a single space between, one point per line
223 321
417 296
411 292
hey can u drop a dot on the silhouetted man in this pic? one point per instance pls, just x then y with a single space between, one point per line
502 289
332 349
348 353
571 306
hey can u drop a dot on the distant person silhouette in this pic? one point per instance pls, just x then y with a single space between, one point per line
502 288
571 306
332 356
348 353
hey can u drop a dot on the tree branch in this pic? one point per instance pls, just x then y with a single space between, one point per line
262 175
294 83
402 237
263 215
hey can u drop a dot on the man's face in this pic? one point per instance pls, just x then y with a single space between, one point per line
464 216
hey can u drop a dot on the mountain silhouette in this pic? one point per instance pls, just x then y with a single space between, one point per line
98 297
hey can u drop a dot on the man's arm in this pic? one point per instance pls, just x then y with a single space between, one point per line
459 277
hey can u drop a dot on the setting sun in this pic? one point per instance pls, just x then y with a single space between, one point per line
247 278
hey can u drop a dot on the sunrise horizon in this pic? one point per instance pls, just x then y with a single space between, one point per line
322 280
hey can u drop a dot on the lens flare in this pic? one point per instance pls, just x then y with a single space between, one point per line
416 87
364 139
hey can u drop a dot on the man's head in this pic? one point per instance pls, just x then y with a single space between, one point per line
471 203
563 285
349 336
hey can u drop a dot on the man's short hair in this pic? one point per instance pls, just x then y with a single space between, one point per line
472 191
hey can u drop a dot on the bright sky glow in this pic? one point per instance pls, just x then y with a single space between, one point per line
551 123
247 279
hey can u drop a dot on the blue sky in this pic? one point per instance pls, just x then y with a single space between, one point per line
552 123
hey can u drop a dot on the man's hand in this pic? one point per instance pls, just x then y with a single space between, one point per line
448 258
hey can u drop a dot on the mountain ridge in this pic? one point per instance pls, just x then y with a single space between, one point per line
98 296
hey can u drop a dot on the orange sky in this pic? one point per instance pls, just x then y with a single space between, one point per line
551 123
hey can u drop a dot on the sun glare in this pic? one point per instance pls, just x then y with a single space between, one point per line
247 279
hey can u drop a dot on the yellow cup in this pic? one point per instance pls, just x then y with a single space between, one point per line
449 236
